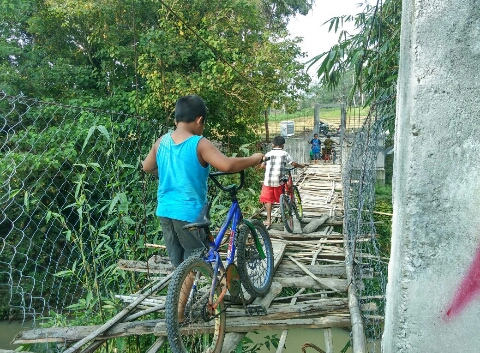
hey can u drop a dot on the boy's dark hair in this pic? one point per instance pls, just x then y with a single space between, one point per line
278 141
188 108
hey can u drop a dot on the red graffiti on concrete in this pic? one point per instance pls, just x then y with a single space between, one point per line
467 291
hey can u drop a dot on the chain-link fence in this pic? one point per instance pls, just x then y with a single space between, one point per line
72 202
360 174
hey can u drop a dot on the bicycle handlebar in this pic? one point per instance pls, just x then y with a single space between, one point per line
215 175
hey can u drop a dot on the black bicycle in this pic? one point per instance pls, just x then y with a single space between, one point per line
290 202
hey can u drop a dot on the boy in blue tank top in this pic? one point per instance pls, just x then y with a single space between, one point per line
182 161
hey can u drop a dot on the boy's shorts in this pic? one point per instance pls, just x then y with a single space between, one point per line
180 242
316 155
271 194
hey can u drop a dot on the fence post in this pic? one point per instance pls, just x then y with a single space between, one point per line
316 118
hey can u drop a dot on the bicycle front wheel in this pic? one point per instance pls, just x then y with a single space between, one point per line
192 324
286 212
255 258
297 203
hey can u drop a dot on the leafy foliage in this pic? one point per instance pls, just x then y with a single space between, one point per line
383 217
139 57
270 343
371 53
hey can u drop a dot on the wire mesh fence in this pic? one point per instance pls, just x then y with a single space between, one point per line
71 198
73 202
360 171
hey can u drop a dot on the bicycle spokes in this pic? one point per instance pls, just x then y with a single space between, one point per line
195 321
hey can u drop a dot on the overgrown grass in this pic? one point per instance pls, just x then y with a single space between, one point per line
384 207
383 219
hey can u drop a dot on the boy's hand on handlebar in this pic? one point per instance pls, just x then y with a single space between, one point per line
259 157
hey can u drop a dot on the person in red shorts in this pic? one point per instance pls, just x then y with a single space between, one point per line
274 171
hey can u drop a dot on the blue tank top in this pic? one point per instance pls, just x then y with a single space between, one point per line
182 185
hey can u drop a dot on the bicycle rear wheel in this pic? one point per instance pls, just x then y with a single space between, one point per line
191 326
254 258
297 203
286 212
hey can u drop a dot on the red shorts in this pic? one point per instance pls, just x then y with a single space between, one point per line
271 194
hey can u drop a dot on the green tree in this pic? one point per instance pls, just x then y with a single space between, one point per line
138 57
227 56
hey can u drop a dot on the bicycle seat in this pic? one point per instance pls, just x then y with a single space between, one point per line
203 219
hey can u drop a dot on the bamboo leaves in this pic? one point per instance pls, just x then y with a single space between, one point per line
372 53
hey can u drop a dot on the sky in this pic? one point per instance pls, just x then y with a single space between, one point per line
316 38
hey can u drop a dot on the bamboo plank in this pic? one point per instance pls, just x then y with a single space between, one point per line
232 339
157 286
157 345
283 337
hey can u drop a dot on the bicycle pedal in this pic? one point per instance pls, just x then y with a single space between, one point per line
256 309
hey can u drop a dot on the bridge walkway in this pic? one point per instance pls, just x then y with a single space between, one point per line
309 290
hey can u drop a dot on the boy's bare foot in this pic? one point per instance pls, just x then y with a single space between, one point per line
267 225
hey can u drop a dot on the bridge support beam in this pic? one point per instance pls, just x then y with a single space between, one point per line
433 286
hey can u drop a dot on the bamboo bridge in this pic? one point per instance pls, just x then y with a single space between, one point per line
311 262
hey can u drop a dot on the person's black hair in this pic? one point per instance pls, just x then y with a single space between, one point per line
278 141
328 136
188 108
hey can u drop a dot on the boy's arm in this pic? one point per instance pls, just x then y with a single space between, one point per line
149 164
208 153
297 165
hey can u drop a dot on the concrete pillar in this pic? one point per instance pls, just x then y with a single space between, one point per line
343 123
381 159
316 118
433 300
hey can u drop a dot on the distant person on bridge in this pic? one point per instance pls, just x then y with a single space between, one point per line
328 143
182 161
274 172
315 142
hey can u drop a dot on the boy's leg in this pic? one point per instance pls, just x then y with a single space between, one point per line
183 297
174 247
190 242
267 197
268 208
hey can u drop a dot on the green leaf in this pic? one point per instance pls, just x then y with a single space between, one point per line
65 273
89 134
104 132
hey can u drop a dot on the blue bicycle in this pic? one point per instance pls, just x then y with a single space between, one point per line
195 308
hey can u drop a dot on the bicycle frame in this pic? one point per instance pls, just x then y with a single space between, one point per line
231 221
288 185
234 216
